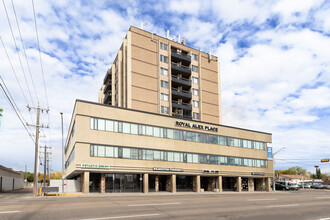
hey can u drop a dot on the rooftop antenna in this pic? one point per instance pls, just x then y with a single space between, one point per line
179 38
168 34
183 41
143 24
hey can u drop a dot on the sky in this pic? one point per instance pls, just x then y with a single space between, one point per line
274 64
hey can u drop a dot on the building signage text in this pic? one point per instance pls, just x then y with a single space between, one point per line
258 174
95 166
210 171
168 169
195 126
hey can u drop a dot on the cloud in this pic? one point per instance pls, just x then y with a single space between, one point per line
273 60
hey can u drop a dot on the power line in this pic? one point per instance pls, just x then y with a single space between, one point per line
3 82
19 57
4 47
13 70
42 69
13 106
27 63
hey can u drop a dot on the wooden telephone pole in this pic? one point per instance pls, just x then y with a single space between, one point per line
37 126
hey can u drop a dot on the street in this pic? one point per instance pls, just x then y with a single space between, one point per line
302 204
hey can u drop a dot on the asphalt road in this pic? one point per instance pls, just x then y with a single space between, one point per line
309 204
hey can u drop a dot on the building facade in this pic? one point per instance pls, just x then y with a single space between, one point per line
157 127
159 75
10 179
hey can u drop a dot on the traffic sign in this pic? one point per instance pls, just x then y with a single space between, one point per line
324 160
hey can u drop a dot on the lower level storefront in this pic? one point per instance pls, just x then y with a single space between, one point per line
93 182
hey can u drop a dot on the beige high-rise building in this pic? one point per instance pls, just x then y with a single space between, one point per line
155 74
157 126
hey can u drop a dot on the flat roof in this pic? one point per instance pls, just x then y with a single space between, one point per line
168 116
171 40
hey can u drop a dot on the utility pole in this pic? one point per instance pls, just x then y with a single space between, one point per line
35 174
273 155
45 162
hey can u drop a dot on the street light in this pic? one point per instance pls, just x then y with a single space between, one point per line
62 156
273 156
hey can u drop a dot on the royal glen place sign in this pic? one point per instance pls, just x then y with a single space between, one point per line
195 126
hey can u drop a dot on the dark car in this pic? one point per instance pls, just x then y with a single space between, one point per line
279 186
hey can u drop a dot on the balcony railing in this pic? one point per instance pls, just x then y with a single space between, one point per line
107 76
181 68
181 116
107 87
107 98
181 105
181 56
181 80
183 93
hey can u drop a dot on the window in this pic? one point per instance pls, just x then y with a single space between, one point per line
164 110
195 91
164 97
194 68
164 84
164 71
195 115
108 125
195 103
195 80
163 59
194 56
134 129
126 128
163 46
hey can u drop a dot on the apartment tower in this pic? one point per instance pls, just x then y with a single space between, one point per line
163 75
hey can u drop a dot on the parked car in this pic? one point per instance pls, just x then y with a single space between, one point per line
279 186
326 187
293 186
317 186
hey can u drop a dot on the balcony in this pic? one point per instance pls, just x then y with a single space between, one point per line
107 87
181 80
181 105
181 93
107 76
107 98
181 116
180 56
180 68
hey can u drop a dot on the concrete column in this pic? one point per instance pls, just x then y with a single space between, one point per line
145 183
102 183
251 184
268 187
197 183
173 183
239 184
219 183
157 183
85 188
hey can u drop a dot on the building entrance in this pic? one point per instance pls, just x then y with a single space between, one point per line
208 183
159 183
184 183
245 184
123 183
94 182
229 183
259 184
